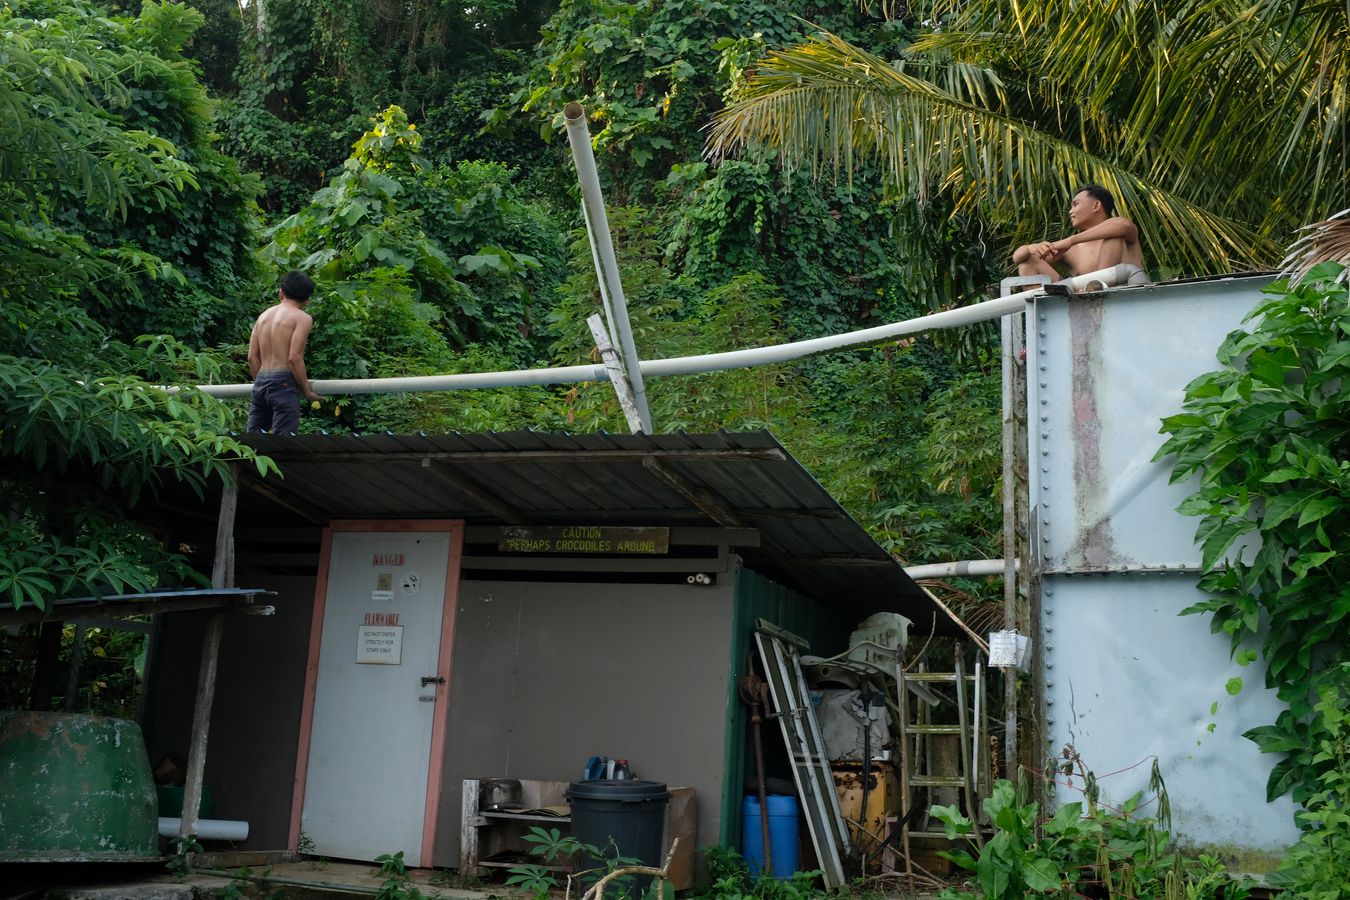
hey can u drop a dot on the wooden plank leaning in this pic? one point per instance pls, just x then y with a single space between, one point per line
222 576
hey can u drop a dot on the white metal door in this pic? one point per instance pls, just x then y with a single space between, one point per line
379 682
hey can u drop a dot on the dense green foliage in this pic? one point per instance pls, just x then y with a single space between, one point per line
1267 435
109 191
1319 864
1095 851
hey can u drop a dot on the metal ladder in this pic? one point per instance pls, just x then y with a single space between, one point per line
779 654
916 729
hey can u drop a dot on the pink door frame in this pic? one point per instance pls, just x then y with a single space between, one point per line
455 528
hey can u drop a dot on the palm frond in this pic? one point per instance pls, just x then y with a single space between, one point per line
829 105
1327 241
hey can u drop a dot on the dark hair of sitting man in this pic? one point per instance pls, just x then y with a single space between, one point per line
297 286
1099 193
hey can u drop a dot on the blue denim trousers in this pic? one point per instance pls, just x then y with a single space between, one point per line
276 402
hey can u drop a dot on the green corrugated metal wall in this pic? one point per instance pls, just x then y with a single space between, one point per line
756 597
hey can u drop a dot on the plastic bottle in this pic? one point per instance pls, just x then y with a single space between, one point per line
621 770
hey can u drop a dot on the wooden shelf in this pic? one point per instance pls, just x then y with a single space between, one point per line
484 833
489 864
524 817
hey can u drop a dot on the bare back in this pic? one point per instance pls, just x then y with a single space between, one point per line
279 337
1091 256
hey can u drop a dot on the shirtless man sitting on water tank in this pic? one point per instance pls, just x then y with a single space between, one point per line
1103 240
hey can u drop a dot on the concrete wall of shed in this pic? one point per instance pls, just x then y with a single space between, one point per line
546 675
255 722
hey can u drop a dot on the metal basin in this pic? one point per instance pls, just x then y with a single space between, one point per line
74 789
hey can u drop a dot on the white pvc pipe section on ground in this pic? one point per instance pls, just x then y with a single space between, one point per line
207 829
690 365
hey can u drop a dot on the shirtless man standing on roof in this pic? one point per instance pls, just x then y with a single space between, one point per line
1103 240
276 357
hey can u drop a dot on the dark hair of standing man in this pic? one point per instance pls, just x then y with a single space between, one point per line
297 286
1097 192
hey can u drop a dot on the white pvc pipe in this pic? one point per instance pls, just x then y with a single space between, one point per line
207 829
597 227
600 279
682 365
975 567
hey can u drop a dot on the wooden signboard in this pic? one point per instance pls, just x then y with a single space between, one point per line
583 539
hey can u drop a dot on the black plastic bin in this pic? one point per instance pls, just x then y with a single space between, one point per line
623 817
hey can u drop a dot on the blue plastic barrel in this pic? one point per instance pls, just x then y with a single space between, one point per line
782 835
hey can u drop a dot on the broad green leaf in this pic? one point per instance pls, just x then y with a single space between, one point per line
1042 875
1319 508
1283 506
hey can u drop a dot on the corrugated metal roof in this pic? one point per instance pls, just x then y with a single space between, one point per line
745 479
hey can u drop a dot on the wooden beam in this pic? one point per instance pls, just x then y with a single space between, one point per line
623 388
715 509
289 499
851 561
280 534
794 513
222 576
960 623
710 505
680 535
770 454
475 492
605 564
298 559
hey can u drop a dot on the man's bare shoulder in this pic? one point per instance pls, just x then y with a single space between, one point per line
283 315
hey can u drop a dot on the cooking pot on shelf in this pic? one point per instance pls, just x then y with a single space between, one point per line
498 794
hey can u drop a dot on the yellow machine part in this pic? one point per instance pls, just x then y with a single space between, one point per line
883 798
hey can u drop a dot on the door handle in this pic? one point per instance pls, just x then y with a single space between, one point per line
432 679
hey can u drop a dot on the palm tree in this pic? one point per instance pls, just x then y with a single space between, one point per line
1220 125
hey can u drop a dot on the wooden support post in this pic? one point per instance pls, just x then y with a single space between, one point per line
470 820
222 576
623 389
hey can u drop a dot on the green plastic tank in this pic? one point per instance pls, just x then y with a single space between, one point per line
75 789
